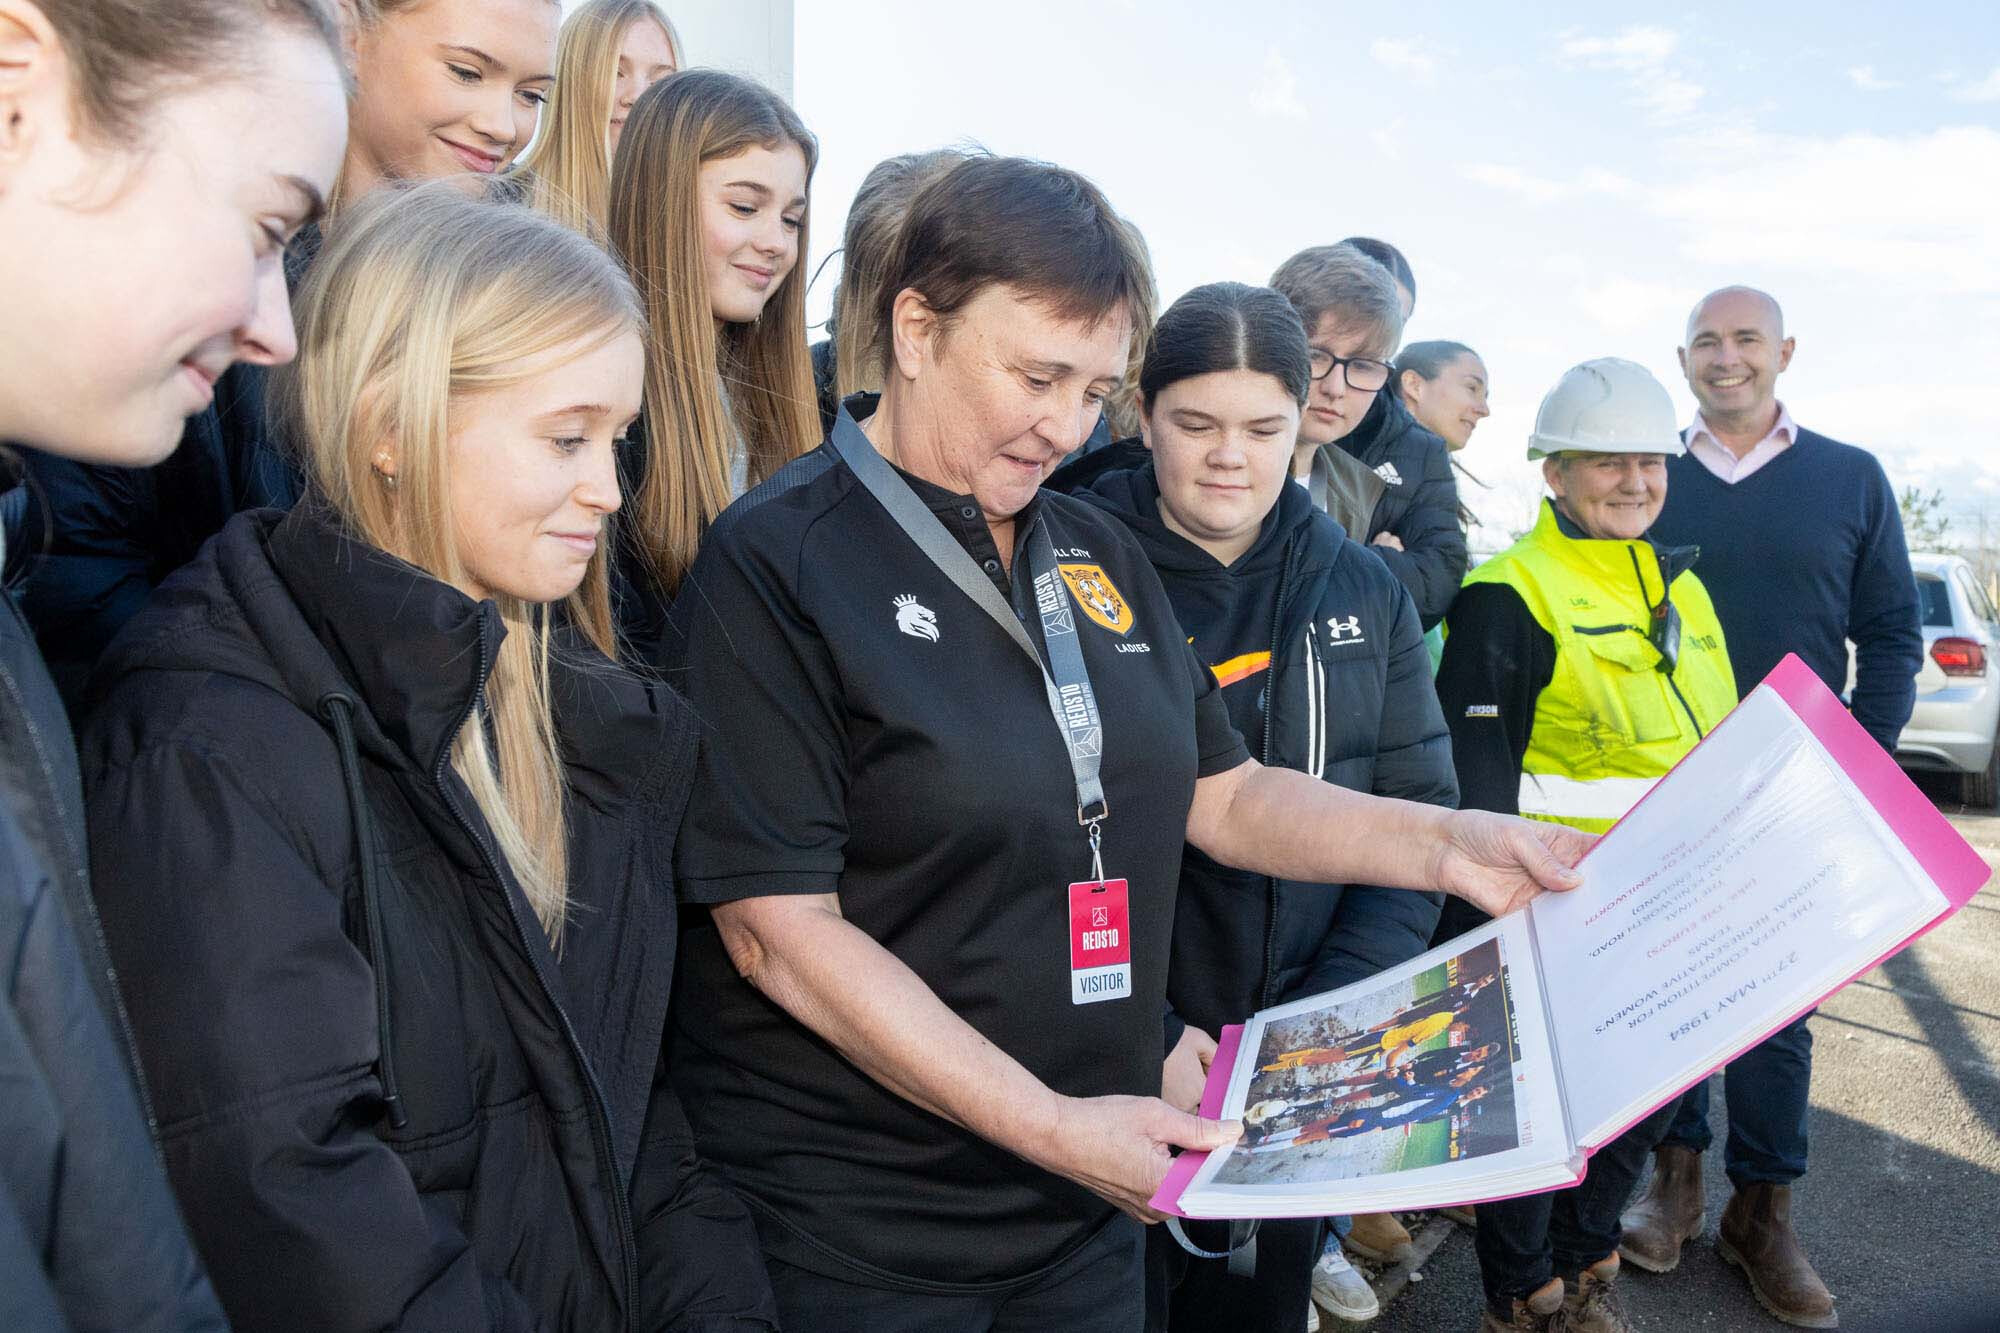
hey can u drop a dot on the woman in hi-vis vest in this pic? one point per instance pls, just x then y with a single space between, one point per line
1580 664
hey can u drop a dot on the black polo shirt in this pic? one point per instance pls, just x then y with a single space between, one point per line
871 732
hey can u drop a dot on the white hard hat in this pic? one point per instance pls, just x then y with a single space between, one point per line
1606 406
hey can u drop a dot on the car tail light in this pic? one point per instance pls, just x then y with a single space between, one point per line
1960 657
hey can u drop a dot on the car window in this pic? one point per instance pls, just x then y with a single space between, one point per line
1982 605
1975 595
1935 599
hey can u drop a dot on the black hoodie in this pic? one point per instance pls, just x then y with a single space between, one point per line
1419 506
1348 700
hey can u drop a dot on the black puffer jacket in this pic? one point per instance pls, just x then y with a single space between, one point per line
1347 698
89 1236
382 1101
1419 506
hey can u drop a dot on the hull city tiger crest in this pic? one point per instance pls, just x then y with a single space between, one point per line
1098 596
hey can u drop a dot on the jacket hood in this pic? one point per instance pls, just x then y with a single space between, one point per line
291 603
1120 480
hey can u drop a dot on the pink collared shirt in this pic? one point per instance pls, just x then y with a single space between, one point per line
1714 455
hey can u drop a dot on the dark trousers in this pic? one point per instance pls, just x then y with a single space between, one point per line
1769 1088
1524 1242
1098 1289
1197 1295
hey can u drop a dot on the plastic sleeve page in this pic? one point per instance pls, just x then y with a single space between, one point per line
1753 880
1411 1088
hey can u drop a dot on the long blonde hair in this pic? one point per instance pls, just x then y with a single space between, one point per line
681 122
872 221
568 171
423 296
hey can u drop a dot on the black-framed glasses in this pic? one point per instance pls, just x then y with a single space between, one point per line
1363 374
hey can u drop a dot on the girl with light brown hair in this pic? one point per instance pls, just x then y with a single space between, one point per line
405 1004
158 155
610 52
440 88
709 209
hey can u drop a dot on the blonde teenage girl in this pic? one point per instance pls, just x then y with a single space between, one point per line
440 87
610 52
403 1006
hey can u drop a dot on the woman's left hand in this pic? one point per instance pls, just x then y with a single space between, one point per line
1499 863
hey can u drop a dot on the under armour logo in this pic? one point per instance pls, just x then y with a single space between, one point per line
1339 629
915 619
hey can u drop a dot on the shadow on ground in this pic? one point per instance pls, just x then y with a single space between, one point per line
1904 1235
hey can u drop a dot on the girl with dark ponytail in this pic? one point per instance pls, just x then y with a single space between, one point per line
1321 661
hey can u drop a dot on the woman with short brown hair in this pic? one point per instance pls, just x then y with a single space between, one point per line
956 740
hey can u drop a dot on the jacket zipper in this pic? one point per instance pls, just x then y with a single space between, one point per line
1270 728
600 1116
89 932
1675 686
1646 597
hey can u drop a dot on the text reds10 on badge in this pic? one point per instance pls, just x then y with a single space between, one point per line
1100 942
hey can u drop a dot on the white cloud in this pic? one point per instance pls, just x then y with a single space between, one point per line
1405 57
1545 190
1867 80
1911 211
1388 139
1642 54
1668 96
1277 94
1636 48
1622 305
1986 90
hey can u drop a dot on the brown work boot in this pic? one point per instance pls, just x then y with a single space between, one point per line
1379 1236
1591 1302
1669 1214
1542 1312
1756 1235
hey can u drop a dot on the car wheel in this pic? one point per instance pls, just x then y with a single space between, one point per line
1978 790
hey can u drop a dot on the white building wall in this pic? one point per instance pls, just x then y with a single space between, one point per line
751 37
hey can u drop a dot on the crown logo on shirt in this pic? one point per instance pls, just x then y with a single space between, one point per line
915 619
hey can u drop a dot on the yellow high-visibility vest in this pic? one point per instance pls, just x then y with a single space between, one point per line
1610 723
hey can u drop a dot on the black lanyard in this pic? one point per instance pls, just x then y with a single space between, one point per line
1071 700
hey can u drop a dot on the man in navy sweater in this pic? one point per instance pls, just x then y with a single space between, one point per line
1801 550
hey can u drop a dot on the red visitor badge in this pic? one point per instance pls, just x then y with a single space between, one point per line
1100 942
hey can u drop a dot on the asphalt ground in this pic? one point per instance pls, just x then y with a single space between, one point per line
1900 1210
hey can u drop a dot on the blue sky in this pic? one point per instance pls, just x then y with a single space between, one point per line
1566 186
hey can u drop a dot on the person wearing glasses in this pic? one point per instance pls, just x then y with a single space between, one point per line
1385 478
1580 664
1389 483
